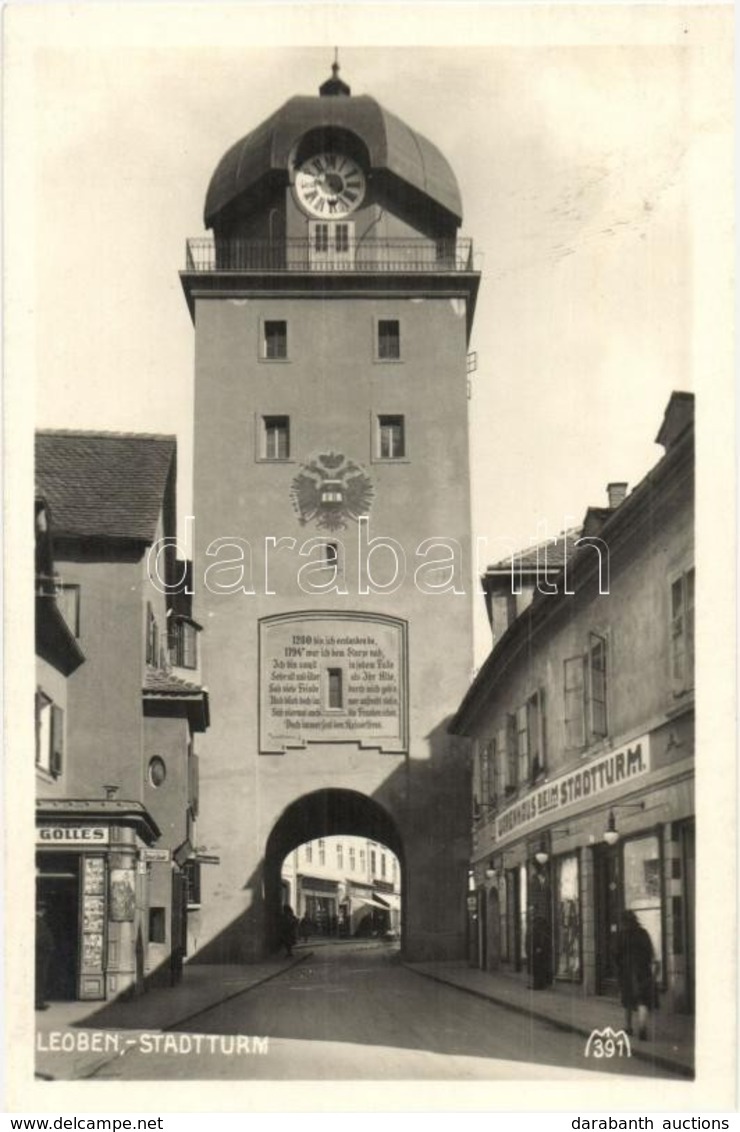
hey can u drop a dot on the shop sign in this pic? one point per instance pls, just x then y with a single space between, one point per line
576 788
72 834
155 855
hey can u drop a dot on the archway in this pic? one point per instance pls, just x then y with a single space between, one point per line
322 814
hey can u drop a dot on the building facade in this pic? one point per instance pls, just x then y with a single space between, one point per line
582 721
332 308
115 765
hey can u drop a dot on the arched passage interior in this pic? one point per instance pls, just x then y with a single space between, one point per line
323 813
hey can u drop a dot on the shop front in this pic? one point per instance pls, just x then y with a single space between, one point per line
565 863
91 898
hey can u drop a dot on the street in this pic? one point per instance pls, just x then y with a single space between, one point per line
353 1011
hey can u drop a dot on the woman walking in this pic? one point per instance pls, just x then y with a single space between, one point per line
635 964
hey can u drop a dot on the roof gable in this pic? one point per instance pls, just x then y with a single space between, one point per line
105 484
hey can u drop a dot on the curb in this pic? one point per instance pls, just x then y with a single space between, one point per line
570 1027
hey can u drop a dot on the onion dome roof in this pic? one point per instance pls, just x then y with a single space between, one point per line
392 146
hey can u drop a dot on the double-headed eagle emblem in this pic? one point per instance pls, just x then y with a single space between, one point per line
331 489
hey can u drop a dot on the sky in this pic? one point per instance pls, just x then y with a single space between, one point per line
580 164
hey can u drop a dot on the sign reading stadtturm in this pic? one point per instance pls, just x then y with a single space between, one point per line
578 786
335 679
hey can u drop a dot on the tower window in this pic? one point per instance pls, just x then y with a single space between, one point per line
391 438
331 554
388 340
275 438
335 689
274 339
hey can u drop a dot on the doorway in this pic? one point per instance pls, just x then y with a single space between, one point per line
493 932
58 891
606 908
331 245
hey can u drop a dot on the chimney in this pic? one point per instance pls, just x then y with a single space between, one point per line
617 493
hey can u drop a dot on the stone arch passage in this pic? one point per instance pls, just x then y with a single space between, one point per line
325 813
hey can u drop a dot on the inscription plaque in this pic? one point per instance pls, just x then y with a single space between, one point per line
333 679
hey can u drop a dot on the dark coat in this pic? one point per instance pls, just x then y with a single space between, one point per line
634 958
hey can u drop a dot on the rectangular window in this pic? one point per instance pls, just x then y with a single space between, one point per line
308 852
575 704
340 857
335 689
522 745
391 438
501 765
363 860
56 760
192 883
152 636
68 601
157 926
643 889
485 773
682 633
352 859
331 554
321 237
341 238
536 732
183 644
322 852
275 438
511 752
389 339
372 862
597 685
275 338
382 864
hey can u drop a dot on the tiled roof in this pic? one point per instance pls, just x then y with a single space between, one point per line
103 484
555 548
161 682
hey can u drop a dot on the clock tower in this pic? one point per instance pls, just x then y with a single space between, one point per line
332 306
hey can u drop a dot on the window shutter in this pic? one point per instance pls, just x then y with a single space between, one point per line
597 686
511 751
57 739
574 695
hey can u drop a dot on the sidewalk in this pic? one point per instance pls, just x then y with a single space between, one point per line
671 1040
161 1008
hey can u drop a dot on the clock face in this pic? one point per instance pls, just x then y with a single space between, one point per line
330 185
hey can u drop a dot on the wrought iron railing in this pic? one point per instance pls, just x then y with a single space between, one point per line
402 255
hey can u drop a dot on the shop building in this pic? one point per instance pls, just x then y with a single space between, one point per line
116 769
582 722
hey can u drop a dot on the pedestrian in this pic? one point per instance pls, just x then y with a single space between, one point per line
288 929
44 952
304 928
634 958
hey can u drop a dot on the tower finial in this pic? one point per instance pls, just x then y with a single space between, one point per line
334 85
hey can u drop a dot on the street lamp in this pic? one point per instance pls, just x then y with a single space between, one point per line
611 833
542 855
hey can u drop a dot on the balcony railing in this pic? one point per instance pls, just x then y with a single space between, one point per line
365 255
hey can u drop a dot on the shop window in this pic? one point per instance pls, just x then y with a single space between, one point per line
391 438
388 342
682 633
567 919
275 438
157 925
597 686
274 339
192 883
575 703
643 889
